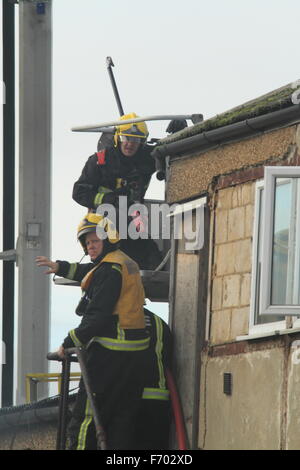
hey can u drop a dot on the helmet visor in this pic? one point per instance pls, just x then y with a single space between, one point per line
127 138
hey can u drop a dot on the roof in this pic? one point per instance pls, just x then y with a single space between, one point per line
265 104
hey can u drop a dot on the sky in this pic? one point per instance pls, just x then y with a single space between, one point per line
171 57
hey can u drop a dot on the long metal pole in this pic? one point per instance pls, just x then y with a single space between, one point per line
100 433
110 64
8 25
80 353
101 127
63 407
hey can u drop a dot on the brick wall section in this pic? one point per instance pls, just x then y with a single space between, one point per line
234 214
232 262
257 172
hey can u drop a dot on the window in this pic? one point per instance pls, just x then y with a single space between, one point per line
259 322
280 272
276 246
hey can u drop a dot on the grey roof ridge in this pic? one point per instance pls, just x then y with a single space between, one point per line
265 104
229 133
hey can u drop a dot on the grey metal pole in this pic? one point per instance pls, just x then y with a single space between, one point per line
8 26
100 433
110 64
35 51
81 357
101 127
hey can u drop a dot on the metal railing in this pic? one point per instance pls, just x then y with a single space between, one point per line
75 355
32 381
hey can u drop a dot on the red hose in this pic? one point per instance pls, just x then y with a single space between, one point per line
177 412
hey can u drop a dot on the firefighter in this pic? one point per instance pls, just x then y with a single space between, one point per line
154 417
123 168
113 331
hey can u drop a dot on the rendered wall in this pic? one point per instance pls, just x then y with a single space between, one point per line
250 417
193 175
262 413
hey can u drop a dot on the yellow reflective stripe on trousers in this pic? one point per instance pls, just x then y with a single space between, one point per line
84 427
122 345
155 394
158 351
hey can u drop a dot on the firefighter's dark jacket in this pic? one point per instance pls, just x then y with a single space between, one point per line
102 176
98 303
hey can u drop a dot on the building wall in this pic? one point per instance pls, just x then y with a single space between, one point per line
231 273
193 175
262 411
185 327
187 319
249 418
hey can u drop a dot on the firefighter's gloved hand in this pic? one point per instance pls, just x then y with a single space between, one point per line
134 192
113 197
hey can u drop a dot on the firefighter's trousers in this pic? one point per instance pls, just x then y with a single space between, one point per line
117 379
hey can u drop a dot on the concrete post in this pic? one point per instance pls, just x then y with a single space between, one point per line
34 189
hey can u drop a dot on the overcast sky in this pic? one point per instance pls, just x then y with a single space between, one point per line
171 57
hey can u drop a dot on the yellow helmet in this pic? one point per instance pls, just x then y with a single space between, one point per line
136 130
90 223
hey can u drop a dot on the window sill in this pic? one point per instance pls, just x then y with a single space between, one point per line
266 334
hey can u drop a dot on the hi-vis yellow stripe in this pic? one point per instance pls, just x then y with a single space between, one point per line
156 394
100 195
122 344
121 333
72 271
75 340
98 199
84 427
117 267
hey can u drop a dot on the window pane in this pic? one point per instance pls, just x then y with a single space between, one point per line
280 260
261 319
282 221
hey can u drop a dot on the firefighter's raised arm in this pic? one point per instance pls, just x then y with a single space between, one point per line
44 261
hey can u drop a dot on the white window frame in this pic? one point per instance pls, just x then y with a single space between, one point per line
269 328
258 328
266 307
